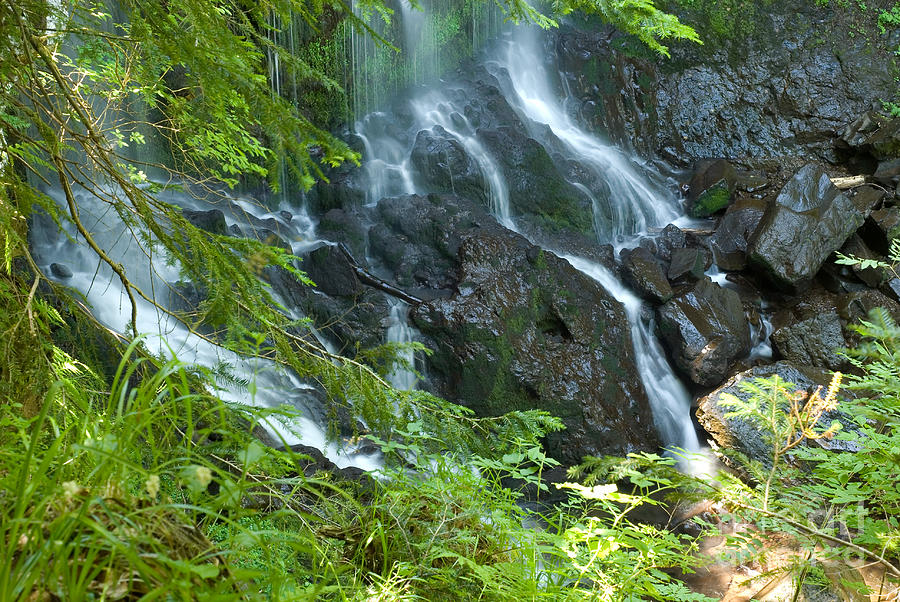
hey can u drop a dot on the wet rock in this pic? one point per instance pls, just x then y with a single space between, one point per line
711 188
311 461
888 173
881 228
417 237
185 296
729 242
855 134
526 330
212 221
867 198
760 96
873 277
705 328
808 221
347 227
839 279
813 341
538 192
60 270
270 238
645 275
885 141
670 239
349 322
442 161
856 306
752 181
688 264
332 272
744 435
616 88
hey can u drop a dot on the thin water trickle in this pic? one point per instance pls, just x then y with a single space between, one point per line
669 400
435 109
399 331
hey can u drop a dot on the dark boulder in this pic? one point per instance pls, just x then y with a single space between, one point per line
711 188
744 435
809 220
212 221
813 341
888 173
882 227
60 270
705 328
688 264
332 271
855 306
728 243
645 275
669 240
445 166
526 330
347 226
873 277
270 238
417 237
885 141
185 296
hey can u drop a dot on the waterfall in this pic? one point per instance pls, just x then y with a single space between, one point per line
399 331
436 109
271 385
627 198
669 400
432 37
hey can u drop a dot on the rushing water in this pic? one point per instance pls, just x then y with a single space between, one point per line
168 336
627 198
399 331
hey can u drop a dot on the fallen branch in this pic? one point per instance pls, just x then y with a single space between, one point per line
375 282
848 182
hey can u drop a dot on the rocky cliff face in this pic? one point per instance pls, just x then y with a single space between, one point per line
784 90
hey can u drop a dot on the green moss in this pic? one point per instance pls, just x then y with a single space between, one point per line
712 200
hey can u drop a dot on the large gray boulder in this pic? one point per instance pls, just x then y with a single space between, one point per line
746 436
813 341
809 220
705 329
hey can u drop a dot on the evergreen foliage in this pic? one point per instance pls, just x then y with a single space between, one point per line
144 484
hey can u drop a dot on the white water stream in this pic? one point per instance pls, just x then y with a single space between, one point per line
167 336
627 199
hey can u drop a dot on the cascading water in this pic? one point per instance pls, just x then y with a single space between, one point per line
435 109
399 331
625 198
670 401
169 337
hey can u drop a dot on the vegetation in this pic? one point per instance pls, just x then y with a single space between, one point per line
137 481
142 483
